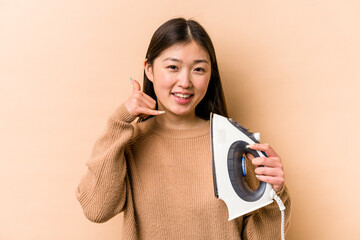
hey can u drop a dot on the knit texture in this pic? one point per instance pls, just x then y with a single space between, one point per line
162 180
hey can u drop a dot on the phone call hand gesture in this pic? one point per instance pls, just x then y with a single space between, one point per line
140 104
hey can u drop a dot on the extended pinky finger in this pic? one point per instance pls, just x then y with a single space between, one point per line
146 111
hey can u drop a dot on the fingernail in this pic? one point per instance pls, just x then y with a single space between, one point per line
131 80
161 112
249 146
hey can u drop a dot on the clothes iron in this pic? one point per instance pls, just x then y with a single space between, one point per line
228 146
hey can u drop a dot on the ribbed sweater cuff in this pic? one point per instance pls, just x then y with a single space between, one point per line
281 191
122 114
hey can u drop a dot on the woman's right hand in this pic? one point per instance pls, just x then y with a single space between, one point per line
140 104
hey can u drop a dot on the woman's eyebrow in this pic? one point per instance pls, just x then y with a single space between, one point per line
172 59
178 60
201 60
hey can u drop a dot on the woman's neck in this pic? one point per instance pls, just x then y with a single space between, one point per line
173 121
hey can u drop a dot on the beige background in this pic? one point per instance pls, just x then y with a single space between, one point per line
290 69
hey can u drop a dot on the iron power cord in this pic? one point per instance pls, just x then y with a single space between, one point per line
282 208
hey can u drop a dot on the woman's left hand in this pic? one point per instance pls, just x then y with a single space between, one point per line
268 169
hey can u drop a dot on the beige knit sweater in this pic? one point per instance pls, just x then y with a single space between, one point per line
162 180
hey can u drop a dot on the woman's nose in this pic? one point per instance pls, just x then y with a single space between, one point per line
184 80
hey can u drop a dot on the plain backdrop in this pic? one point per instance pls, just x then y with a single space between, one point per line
290 70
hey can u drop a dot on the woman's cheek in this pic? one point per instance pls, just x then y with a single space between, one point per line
163 79
203 83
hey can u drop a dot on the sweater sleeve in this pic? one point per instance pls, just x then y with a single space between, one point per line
265 223
102 190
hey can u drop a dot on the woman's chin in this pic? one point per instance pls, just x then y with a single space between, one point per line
181 112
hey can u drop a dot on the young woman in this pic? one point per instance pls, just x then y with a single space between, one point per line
158 170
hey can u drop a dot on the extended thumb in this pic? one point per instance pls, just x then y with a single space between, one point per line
136 85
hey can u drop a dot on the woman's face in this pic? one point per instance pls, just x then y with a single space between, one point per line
180 75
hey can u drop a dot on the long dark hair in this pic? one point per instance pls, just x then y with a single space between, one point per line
182 31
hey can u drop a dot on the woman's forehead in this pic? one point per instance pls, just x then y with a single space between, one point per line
188 51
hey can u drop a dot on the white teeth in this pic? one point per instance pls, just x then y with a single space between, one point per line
182 96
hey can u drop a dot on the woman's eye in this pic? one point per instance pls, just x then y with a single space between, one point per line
172 67
199 69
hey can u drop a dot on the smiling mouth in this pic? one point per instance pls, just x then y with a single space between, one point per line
182 96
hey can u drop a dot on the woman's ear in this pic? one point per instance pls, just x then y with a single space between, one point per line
148 70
